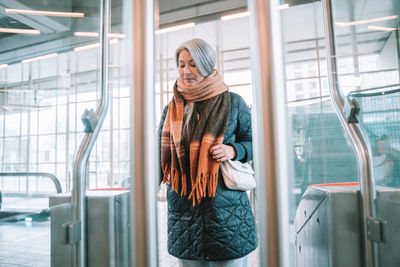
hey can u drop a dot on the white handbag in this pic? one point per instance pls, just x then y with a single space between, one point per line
238 175
162 192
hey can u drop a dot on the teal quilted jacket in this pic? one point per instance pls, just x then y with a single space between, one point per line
223 227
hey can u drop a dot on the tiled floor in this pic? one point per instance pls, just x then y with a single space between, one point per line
27 244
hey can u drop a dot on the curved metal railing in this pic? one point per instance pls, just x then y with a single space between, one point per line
51 176
358 138
376 91
93 121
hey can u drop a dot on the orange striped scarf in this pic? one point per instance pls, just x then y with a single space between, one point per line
209 131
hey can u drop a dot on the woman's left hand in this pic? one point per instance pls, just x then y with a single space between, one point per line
222 152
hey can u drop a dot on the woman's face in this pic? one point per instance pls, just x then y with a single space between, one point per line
188 71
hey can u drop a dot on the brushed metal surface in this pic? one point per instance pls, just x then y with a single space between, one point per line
388 210
327 227
107 232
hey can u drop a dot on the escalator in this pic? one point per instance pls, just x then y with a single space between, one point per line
25 220
26 206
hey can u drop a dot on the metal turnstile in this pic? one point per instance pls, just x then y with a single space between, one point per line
327 226
107 230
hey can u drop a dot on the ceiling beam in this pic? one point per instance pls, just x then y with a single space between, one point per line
41 23
201 10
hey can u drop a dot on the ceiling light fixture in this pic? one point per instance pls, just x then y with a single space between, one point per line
15 90
86 47
96 34
2 66
365 21
86 34
235 16
117 35
45 13
283 6
22 31
91 46
175 28
39 58
7 108
109 65
379 28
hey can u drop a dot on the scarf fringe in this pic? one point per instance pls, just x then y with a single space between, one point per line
204 184
172 176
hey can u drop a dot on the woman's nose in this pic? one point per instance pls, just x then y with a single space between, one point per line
186 70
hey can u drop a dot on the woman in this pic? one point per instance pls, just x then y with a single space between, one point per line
203 125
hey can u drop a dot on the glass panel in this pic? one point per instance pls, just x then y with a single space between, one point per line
233 62
11 150
61 118
124 119
33 149
47 80
103 146
368 69
60 148
46 147
372 49
12 126
47 121
72 117
321 152
124 143
2 123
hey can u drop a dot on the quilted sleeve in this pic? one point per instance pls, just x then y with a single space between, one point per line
160 127
243 132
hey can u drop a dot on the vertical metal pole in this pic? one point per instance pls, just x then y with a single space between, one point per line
358 139
56 133
20 134
167 76
28 142
111 89
354 47
95 149
161 83
67 133
87 142
119 121
144 162
396 36
3 133
270 142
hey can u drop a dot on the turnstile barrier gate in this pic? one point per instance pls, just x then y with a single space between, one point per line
108 229
327 225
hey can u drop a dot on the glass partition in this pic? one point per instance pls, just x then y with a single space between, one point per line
233 62
367 58
322 152
50 56
371 52
367 36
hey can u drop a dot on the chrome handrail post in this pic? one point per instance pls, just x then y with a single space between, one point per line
358 138
144 166
94 121
270 133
